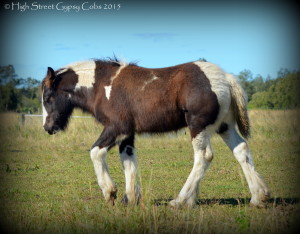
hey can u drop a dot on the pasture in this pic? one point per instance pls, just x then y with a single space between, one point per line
48 182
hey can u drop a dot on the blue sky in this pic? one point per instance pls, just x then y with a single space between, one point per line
259 36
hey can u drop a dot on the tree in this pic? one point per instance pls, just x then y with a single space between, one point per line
285 92
258 84
282 94
7 74
30 93
283 72
18 94
261 100
245 77
9 95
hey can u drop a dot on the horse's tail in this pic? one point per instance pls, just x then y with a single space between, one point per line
239 101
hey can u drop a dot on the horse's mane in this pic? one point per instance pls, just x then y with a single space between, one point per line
116 61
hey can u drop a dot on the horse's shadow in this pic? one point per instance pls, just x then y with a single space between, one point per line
233 201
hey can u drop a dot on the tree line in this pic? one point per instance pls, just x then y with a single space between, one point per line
24 95
281 92
18 94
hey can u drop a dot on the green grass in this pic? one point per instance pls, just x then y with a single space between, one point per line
48 184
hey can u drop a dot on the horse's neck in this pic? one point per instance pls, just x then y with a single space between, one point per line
83 99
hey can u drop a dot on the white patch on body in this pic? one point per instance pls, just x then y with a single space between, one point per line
85 71
122 66
107 91
45 113
219 85
105 181
108 88
130 166
154 78
63 70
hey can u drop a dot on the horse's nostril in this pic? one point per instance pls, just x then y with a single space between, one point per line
48 129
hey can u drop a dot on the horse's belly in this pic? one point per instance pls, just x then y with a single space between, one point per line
160 121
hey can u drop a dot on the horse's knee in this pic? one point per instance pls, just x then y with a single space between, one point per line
209 155
97 153
241 152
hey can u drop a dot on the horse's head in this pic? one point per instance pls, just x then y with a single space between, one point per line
57 106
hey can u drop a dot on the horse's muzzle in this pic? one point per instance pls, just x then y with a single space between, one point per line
50 131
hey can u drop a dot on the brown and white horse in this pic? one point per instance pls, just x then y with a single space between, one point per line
128 99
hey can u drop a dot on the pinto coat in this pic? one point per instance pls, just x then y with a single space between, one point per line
128 99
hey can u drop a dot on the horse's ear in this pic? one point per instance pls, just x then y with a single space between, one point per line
50 77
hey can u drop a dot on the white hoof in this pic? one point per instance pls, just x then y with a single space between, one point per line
190 203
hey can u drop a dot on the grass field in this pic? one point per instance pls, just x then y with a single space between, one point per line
48 184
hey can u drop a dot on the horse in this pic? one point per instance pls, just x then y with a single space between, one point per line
128 99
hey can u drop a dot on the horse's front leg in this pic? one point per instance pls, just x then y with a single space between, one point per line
98 153
129 163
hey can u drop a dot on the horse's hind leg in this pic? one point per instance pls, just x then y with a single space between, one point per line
129 163
203 156
240 149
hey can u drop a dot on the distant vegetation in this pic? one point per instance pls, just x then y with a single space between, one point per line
18 94
282 92
269 93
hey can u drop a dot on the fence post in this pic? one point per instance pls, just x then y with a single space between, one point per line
22 119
